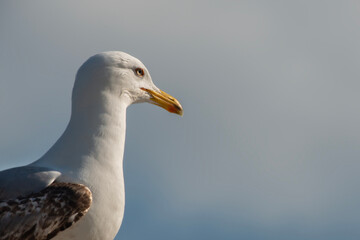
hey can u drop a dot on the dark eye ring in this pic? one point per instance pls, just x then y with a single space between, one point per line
140 72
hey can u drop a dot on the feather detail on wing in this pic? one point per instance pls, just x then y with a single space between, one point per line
44 214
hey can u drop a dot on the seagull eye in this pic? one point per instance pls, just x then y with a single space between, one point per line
140 72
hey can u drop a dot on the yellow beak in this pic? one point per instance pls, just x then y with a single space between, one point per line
165 101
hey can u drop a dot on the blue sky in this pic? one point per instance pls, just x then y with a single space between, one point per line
268 147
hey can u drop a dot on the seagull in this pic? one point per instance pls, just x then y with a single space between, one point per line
76 189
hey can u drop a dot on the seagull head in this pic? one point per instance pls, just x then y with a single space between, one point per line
122 76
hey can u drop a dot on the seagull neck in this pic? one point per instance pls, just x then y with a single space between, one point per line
95 134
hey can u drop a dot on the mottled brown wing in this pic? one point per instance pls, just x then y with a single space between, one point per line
44 214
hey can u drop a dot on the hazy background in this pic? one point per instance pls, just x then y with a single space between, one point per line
269 145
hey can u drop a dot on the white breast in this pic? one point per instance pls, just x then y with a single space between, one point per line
104 218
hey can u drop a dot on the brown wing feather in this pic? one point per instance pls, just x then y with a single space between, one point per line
44 214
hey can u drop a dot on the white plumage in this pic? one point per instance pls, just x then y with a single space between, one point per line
90 151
